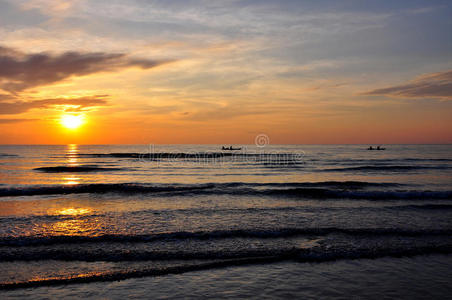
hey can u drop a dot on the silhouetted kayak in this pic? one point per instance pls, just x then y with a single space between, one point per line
231 149
376 148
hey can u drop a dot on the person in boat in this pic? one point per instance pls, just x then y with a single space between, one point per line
230 148
378 148
223 148
370 148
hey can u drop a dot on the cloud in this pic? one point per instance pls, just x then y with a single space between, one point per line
48 6
20 71
71 104
4 97
230 111
434 85
8 121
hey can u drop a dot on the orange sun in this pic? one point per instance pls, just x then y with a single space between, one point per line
72 121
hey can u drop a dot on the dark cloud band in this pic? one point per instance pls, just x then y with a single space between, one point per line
20 71
76 104
436 85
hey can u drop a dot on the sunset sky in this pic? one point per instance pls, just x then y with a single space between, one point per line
170 72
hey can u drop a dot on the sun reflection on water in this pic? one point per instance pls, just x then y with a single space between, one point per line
73 227
74 222
72 211
72 160
72 155
71 180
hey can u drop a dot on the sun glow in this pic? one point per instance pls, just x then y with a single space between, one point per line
72 121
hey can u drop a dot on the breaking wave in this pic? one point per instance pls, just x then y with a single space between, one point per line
389 168
219 234
321 190
297 255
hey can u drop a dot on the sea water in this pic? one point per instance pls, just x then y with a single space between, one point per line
265 221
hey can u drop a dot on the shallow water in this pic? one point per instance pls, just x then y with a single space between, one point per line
420 277
90 215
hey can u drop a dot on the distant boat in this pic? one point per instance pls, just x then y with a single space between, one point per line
230 148
378 148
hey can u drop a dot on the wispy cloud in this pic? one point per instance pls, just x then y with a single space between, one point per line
434 85
48 6
4 97
20 71
9 121
70 104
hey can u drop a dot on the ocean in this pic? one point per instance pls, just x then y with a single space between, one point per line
195 221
